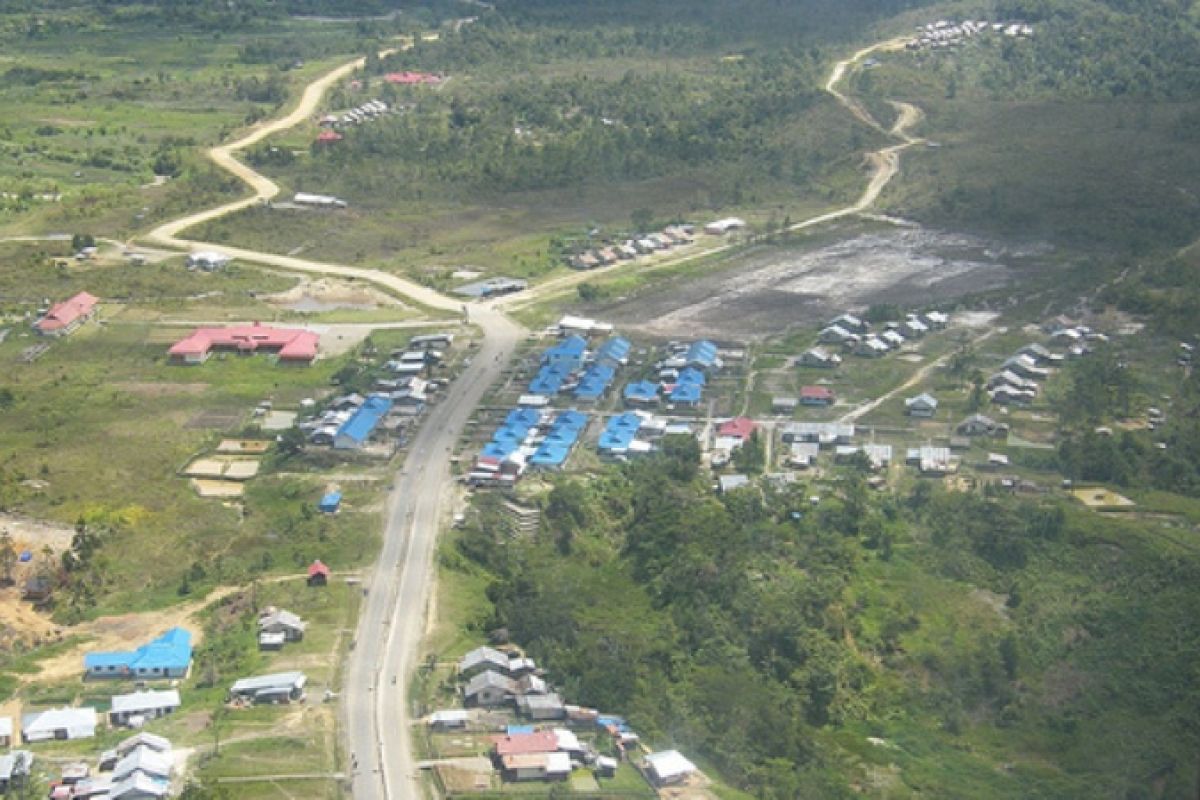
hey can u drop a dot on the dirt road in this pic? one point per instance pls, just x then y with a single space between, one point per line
885 165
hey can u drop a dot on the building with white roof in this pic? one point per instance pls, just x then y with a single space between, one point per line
151 704
59 723
668 766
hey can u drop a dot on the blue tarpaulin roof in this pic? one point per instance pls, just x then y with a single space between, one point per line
569 350
686 393
170 652
620 431
691 375
594 381
330 501
364 420
642 390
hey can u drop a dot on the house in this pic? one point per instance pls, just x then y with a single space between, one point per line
143 739
825 434
803 455
930 460
727 483
739 428
721 227
328 137
139 786
134 708
977 425
1039 353
668 767
65 317
208 260
330 502
542 706
483 658
1026 367
14 768
318 200
871 347
850 323
892 339
451 719
318 573
37 589
146 760
522 743
59 723
836 334
784 405
1012 380
290 345
489 689
355 432
819 357
168 656
536 767
6 732
431 340
702 355
913 327
1006 395
923 405
614 352
817 396
641 393
74 772
936 320
280 687
280 622
995 461
686 394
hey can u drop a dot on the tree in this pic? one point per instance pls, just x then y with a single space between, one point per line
82 240
751 456
8 557
291 442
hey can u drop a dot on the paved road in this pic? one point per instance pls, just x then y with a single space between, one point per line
376 720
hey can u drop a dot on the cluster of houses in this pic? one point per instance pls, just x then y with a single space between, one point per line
636 433
528 437
570 366
945 34
356 116
670 237
854 335
293 346
138 768
63 319
547 747
683 374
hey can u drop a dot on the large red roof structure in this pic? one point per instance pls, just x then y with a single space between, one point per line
520 743
411 78
63 316
291 344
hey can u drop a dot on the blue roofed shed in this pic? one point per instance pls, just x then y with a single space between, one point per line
168 656
330 503
691 375
686 394
641 392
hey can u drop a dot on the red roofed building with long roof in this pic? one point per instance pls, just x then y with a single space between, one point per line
65 317
523 743
411 78
329 137
817 396
292 345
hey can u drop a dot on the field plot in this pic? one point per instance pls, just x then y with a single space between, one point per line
1097 497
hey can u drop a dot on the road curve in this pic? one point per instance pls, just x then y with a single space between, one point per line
885 165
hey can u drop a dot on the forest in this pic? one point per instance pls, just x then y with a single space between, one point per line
1002 647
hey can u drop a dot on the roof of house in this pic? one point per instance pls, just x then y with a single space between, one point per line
738 428
541 701
449 715
329 136
489 679
318 567
277 680
144 759
641 390
13 763
816 393
145 701
686 393
518 743
552 763
482 655
291 343
171 651
616 349
669 764
53 719
730 482
703 353
364 420
330 500
407 78
282 618
144 739
923 399
138 785
64 314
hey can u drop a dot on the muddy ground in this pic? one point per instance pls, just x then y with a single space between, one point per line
769 292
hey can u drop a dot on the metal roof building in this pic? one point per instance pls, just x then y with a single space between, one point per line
168 656
355 431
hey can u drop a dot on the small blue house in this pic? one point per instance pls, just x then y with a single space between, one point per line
168 656
686 394
330 503
356 431
641 393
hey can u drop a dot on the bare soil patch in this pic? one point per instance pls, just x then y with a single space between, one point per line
775 290
328 294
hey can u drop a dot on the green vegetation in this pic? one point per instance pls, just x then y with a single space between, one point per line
989 642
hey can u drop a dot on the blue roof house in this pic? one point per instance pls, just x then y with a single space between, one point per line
356 431
614 352
702 354
691 375
594 382
330 503
620 431
568 352
168 656
641 393
686 394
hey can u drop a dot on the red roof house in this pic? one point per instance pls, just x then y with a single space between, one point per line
318 573
65 317
521 743
411 78
291 344
737 428
329 137
817 396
